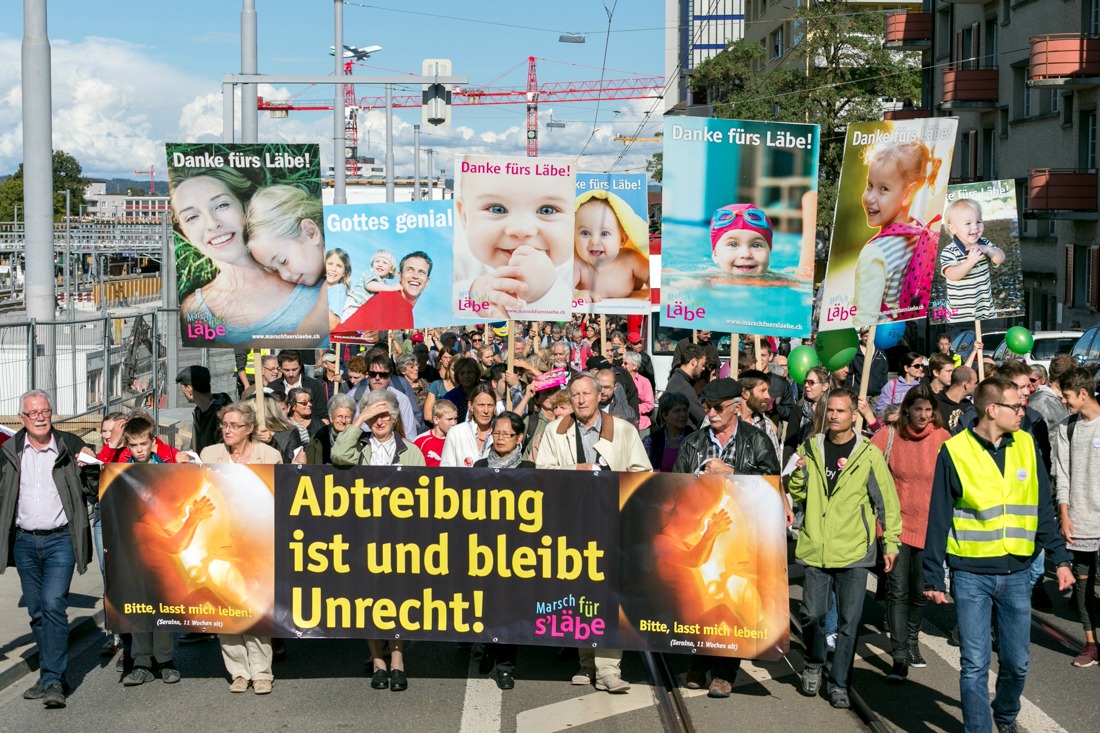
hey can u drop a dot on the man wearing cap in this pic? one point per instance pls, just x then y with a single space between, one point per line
728 445
194 381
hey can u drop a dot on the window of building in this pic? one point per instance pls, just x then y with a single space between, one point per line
1002 118
989 53
989 154
1006 12
1067 109
777 47
1080 273
1092 20
1088 140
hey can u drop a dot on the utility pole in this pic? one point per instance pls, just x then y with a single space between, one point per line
431 180
249 65
339 162
416 163
389 143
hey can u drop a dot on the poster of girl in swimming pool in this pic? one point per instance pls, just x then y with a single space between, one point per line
739 213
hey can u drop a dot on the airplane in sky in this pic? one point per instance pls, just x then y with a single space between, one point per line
354 52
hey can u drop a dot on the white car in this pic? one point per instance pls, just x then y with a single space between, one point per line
1048 344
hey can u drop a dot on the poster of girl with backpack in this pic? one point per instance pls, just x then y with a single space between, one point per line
890 198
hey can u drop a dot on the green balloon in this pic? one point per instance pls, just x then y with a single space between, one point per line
800 361
836 349
1019 340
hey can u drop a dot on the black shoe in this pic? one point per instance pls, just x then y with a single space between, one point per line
1006 727
278 650
380 680
1040 599
953 637
916 659
54 696
398 681
505 680
37 692
898 673
486 663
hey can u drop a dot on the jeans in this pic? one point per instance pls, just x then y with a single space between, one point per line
832 618
905 600
850 585
1038 568
45 564
1084 573
97 542
977 597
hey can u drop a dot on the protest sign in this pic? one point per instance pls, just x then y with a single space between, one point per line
522 556
611 244
739 213
979 271
249 244
391 267
513 237
893 184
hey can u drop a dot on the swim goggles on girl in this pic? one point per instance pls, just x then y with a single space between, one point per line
752 215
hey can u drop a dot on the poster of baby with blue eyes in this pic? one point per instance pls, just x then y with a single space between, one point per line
738 222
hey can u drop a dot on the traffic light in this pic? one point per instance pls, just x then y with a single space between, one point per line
436 99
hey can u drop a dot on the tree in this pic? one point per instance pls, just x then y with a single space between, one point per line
836 72
655 167
67 176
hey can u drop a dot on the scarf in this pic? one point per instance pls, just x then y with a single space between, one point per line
509 461
918 435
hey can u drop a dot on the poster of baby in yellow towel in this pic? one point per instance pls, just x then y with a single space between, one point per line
611 244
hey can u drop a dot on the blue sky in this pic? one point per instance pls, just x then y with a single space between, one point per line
130 75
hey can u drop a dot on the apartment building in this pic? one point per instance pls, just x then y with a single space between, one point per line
696 30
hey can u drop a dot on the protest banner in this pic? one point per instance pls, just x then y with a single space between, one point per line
739 212
893 183
249 244
979 271
513 237
609 560
611 244
391 267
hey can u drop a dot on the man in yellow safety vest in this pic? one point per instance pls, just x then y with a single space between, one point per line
991 512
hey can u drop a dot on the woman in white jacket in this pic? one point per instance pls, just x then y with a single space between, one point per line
472 440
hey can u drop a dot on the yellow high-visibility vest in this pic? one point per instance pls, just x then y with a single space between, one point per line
994 518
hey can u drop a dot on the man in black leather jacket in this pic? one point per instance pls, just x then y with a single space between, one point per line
728 445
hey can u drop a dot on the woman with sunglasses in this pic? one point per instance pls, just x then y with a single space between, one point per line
912 373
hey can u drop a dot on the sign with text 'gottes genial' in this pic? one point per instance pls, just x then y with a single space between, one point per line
667 562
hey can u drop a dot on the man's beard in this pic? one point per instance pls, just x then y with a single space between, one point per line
757 405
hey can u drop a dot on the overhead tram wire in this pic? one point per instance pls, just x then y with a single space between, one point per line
603 73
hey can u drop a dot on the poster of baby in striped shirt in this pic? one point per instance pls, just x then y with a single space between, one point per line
979 273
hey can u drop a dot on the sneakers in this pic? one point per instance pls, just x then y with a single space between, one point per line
838 698
35 692
583 677
138 676
1087 657
695 679
261 687
169 673
54 696
612 683
898 673
719 688
239 684
811 681
1007 727
830 643
915 657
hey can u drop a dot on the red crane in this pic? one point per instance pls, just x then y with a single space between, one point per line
563 91
152 178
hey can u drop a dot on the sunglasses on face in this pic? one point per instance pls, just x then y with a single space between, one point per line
379 375
752 216
916 366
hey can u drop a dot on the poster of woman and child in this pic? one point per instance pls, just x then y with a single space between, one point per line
890 202
249 244
738 221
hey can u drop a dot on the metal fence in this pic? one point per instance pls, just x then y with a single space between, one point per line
90 366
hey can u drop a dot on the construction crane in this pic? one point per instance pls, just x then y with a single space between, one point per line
352 55
152 178
563 91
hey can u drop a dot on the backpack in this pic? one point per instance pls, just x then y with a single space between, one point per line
916 283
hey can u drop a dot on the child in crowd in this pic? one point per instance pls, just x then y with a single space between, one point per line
741 240
383 268
965 261
338 277
608 240
519 237
894 269
150 648
286 233
430 443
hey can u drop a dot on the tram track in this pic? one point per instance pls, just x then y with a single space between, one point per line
671 705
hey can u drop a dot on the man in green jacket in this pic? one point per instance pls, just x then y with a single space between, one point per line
846 486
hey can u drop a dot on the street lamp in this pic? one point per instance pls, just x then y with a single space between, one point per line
16 214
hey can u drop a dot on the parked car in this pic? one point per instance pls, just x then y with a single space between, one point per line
964 343
1087 347
1048 344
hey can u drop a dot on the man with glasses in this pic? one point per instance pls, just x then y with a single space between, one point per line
270 373
394 308
727 446
991 512
43 488
379 376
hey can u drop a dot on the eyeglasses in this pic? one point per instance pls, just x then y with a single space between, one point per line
717 406
37 414
1017 408
274 369
812 382
476 339
1033 379
752 216
500 434
232 427
379 375
917 366
307 402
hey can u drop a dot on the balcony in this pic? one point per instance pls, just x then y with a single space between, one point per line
1061 193
906 114
969 88
908 32
1065 60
